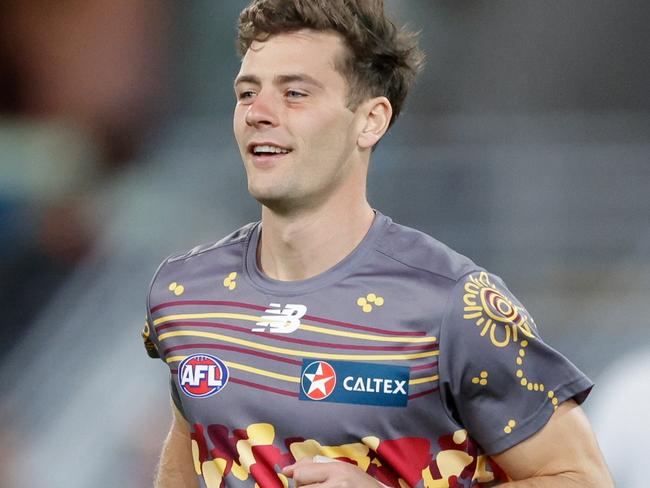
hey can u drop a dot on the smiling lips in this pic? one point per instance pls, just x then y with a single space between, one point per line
261 149
265 153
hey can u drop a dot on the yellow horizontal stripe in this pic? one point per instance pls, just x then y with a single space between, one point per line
369 337
291 352
212 315
270 374
284 377
303 326
426 379
250 369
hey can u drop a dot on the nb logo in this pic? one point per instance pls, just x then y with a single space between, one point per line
281 320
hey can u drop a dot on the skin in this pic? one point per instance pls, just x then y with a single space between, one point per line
315 212
290 93
176 467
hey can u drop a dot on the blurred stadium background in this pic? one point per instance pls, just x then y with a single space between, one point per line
525 145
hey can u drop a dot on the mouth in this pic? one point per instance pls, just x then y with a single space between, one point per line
266 153
266 149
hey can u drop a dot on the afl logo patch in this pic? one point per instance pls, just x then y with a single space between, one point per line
202 375
318 380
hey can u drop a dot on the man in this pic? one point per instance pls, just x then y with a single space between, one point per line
327 344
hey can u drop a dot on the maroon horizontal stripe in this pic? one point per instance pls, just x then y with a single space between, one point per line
293 394
257 386
294 340
308 317
365 327
207 302
227 347
424 366
422 393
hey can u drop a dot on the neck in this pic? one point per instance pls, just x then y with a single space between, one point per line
305 243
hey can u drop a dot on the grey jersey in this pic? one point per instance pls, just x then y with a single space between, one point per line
405 359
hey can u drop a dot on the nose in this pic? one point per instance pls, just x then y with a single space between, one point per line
262 112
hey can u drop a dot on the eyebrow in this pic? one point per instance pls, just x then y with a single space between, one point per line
280 80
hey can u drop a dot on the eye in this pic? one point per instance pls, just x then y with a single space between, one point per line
245 95
295 94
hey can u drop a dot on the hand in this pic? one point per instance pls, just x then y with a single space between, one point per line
334 474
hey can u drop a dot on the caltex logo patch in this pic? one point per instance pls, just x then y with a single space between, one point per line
318 380
202 375
357 383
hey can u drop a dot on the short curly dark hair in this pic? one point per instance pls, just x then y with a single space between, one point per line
381 60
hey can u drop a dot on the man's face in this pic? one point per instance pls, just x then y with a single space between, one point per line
296 136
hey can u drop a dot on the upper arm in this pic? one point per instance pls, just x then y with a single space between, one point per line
498 378
565 447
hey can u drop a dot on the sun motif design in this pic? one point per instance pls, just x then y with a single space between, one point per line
500 319
504 323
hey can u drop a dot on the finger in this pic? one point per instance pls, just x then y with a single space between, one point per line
288 470
307 473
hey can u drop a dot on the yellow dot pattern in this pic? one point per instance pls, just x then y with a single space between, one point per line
229 281
554 400
481 379
525 382
176 289
368 301
511 425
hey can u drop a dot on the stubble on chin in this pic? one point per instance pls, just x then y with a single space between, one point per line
278 201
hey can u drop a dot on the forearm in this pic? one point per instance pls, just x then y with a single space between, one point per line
176 467
565 480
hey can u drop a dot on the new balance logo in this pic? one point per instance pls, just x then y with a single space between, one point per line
281 320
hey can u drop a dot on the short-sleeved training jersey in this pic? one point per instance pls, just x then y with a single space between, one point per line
405 359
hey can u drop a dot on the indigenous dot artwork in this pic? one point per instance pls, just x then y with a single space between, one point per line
229 281
176 289
494 313
503 323
511 425
366 303
481 379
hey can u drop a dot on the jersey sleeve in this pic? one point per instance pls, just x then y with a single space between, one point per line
149 335
498 379
148 339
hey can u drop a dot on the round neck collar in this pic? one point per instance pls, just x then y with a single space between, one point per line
332 275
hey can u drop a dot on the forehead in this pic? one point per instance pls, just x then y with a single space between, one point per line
304 51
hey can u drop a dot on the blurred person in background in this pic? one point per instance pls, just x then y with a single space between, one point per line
320 84
81 86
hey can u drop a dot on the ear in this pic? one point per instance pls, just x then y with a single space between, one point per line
377 112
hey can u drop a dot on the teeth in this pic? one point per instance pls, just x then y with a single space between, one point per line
269 149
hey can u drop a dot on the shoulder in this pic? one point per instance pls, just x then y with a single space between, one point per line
239 236
205 258
420 251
